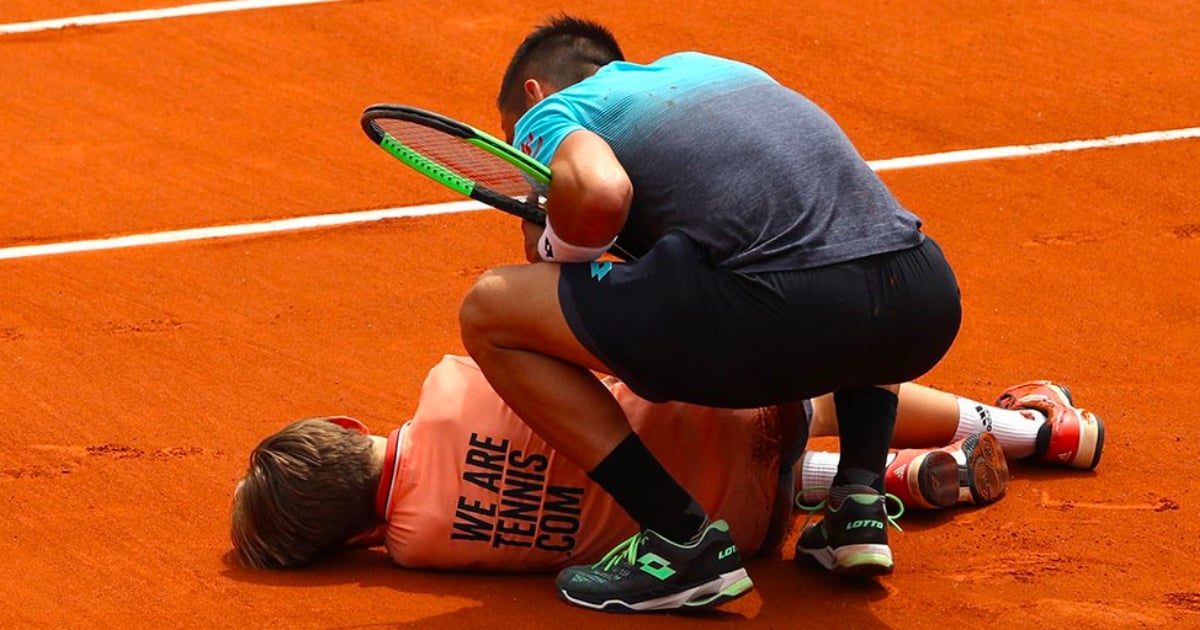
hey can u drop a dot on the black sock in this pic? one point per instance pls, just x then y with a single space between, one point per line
866 418
647 492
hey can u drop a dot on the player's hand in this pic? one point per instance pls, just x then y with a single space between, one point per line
532 233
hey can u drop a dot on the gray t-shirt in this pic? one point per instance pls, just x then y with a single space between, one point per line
757 174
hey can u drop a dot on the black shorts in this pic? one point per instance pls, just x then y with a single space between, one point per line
674 327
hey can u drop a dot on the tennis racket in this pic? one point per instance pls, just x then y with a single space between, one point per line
462 158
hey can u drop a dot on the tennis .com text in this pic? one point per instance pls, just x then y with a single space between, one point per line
522 510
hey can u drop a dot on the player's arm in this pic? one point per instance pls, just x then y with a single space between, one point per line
589 194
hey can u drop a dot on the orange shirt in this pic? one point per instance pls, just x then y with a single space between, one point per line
467 486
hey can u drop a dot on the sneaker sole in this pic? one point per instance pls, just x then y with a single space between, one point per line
1091 436
725 587
1091 443
853 560
862 560
984 478
935 480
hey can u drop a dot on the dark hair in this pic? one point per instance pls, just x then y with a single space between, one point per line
563 51
309 488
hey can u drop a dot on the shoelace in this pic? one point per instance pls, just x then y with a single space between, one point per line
626 551
820 505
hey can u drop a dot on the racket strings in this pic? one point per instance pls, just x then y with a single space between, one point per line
462 157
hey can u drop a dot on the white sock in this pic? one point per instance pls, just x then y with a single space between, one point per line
817 470
1015 431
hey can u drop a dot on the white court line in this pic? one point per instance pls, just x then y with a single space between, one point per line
995 153
327 220
229 231
151 14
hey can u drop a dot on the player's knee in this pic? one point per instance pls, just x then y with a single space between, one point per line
480 308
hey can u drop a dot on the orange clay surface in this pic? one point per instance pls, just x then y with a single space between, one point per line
136 381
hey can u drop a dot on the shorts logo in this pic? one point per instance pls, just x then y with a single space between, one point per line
600 269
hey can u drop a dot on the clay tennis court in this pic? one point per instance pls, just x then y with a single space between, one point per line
136 379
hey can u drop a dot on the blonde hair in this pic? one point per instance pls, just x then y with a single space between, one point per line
309 488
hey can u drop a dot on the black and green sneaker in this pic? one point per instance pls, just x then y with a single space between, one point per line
852 539
648 572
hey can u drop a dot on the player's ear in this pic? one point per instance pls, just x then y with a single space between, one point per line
535 91
346 422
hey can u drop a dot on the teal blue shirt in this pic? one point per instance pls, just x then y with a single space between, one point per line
756 173
614 89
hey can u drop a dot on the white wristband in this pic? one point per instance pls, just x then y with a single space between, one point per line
552 248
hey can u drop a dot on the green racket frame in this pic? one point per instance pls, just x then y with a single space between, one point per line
525 208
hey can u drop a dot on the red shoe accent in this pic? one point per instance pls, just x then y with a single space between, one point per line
923 478
1071 436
